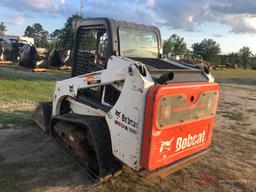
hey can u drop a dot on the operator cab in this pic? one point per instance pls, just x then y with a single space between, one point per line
97 39
100 38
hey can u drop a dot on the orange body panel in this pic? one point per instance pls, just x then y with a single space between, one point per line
164 143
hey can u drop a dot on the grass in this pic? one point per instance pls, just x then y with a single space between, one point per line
51 74
13 175
234 74
251 110
243 124
28 87
22 85
248 98
20 89
253 132
9 177
34 175
19 118
237 116
37 90
232 103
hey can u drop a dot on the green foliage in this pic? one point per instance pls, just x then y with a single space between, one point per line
64 38
233 58
39 34
167 47
68 32
175 45
56 39
223 59
253 59
208 49
2 28
245 57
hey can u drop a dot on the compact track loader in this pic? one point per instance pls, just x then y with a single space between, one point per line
125 104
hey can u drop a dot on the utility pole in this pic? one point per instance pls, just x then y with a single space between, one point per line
82 8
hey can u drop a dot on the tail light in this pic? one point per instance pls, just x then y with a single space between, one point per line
164 112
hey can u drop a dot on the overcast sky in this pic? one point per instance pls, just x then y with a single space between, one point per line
232 23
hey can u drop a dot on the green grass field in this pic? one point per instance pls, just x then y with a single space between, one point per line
18 86
234 73
235 76
21 89
21 86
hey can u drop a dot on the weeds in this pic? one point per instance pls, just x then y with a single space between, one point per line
236 116
232 103
251 110
16 117
248 98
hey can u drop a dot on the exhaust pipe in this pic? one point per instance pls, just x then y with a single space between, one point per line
165 77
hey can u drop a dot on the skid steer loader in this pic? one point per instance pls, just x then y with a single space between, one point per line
126 105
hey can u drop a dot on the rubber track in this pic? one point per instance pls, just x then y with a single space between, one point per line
99 132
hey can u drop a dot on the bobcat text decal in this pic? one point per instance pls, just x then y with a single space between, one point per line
126 122
182 142
189 141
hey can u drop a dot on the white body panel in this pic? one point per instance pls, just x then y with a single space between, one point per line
126 118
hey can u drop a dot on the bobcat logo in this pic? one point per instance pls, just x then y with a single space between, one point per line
166 145
118 113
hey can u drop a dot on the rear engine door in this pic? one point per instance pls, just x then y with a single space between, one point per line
179 121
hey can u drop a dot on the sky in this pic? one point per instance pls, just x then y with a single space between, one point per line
232 23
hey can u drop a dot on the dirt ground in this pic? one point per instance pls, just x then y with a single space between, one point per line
30 161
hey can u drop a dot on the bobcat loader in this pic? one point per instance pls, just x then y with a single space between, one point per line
125 104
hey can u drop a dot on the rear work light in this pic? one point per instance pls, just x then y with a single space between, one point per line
175 109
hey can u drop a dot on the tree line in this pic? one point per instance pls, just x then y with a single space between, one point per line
207 50
60 38
2 28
